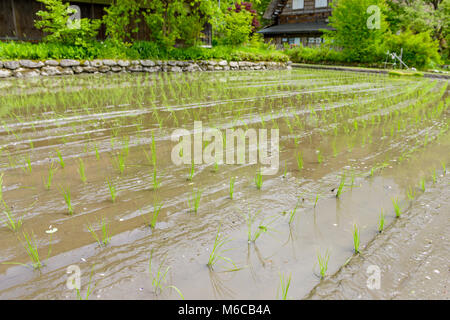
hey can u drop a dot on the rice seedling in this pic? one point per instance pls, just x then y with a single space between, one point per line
159 278
341 186
156 210
422 184
232 180
381 222
155 181
299 161
67 198
285 283
112 190
191 172
293 213
120 162
31 249
323 263
258 180
61 160
28 166
316 200
217 252
105 236
356 238
443 167
434 176
194 200
89 289
1 186
48 181
319 157
397 208
81 171
97 154
12 223
411 193
215 167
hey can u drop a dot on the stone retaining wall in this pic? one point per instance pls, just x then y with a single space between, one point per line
28 68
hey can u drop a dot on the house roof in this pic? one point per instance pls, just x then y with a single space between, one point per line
295 28
274 8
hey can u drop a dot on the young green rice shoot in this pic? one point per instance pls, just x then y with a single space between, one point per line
105 236
12 223
258 180
299 161
356 238
81 171
67 199
218 251
397 209
232 180
61 160
159 278
341 186
323 263
381 222
191 172
285 283
48 181
112 190
292 214
194 200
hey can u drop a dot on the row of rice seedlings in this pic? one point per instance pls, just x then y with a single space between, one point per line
104 237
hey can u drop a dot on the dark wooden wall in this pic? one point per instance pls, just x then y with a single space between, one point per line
309 13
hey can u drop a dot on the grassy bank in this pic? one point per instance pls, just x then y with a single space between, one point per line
139 50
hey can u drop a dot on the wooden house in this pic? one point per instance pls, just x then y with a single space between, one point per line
296 22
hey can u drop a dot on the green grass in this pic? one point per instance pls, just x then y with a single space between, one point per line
356 238
104 237
285 283
67 199
258 180
323 263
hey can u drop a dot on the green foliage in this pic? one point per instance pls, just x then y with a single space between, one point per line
350 20
236 28
419 50
55 20
121 20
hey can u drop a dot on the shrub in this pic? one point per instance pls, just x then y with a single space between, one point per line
419 50
56 21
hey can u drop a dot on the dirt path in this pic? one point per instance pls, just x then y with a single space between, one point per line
413 256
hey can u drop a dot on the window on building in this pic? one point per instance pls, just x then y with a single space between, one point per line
321 3
297 4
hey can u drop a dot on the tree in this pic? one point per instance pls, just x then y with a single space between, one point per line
359 28
122 19
57 21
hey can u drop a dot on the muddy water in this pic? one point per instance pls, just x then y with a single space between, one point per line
342 123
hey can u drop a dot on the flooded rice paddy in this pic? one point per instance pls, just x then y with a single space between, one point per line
87 181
